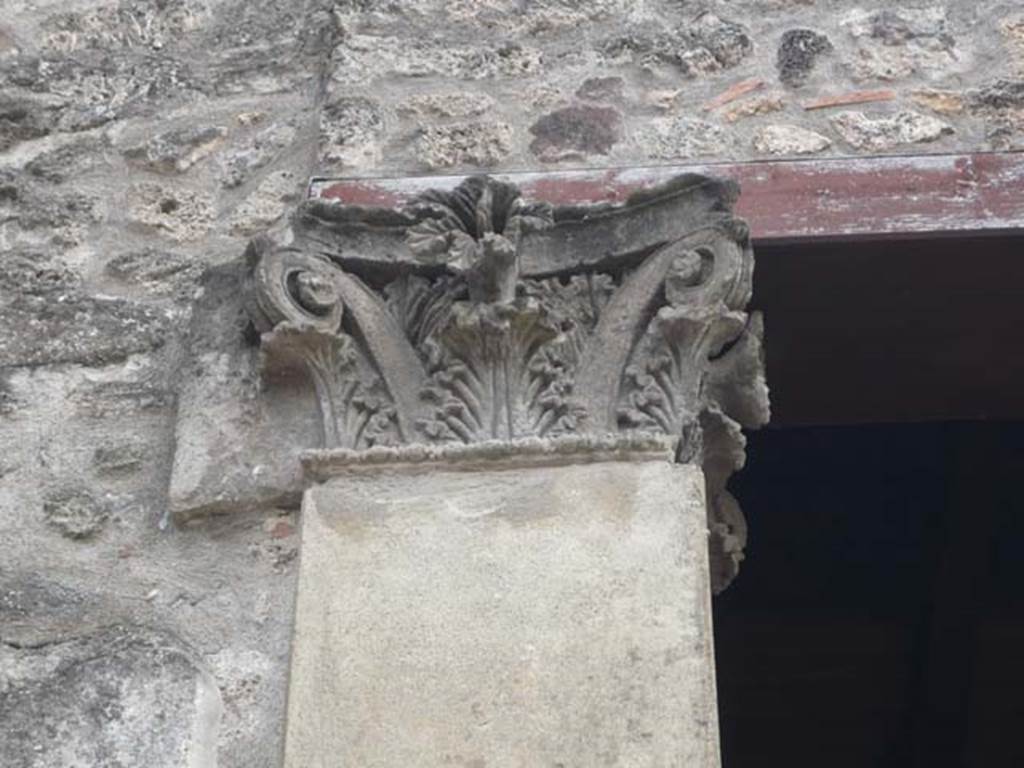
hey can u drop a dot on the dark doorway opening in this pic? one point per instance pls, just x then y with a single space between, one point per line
879 617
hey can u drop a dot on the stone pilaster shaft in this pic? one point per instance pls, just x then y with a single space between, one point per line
533 604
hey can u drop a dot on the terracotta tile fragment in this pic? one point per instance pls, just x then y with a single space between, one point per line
853 97
733 92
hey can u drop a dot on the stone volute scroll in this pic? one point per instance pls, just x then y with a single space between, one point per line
474 317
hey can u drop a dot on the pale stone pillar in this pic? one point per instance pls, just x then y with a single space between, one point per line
533 608
525 419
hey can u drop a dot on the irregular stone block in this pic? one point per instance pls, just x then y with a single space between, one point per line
684 137
894 43
230 454
125 25
72 328
875 134
520 613
22 118
261 69
576 132
798 52
758 105
34 273
360 58
34 611
120 696
1002 94
789 140
475 144
74 513
158 271
601 89
90 87
1004 129
122 398
67 161
178 150
182 214
706 45
448 104
1012 29
943 102
117 459
37 216
350 131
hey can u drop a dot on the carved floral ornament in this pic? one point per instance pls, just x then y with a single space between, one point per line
472 315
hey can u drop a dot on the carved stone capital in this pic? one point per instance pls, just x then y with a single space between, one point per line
472 316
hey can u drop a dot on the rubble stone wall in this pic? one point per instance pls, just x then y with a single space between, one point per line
144 140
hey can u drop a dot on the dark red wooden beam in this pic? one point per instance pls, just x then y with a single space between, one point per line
790 200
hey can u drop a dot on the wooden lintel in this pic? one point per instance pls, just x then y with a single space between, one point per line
788 200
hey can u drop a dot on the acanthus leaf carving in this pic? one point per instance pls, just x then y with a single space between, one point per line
420 326
475 229
296 302
356 410
499 370
737 397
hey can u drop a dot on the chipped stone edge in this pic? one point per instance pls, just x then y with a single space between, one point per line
321 465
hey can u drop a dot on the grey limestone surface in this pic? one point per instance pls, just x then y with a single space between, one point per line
504 616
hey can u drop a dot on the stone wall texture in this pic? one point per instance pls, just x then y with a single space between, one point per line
144 140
